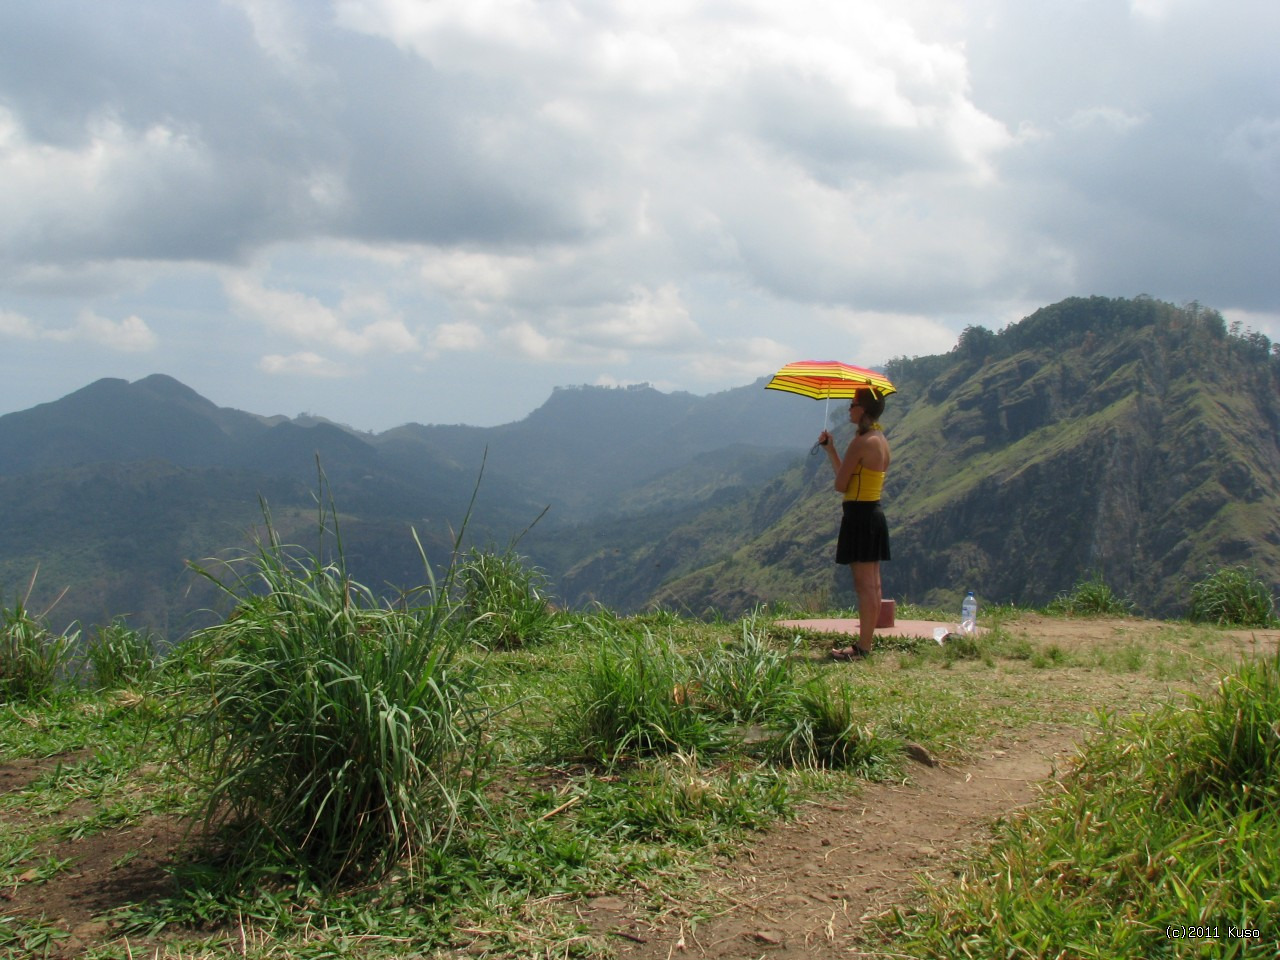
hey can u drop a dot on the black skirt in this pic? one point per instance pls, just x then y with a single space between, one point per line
864 533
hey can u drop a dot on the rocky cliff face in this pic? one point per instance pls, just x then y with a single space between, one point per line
1130 439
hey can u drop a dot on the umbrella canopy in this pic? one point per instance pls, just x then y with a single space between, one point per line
828 379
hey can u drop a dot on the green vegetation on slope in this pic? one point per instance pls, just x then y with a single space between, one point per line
1129 437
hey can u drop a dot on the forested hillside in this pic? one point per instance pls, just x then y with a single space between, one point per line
1129 439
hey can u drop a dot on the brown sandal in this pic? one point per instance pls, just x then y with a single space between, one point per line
850 653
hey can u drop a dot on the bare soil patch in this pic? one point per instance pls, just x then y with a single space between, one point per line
1087 632
19 774
102 871
109 870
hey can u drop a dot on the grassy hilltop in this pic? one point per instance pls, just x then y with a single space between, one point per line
472 772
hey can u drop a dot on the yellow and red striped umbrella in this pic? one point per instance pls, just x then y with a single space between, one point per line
828 379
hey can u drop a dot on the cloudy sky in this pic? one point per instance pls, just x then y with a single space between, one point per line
384 211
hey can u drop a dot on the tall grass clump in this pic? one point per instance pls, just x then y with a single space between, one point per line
120 656
637 697
503 599
1090 598
748 680
826 728
640 697
1233 753
1233 596
334 736
1169 822
33 658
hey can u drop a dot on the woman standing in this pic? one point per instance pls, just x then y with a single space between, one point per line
864 533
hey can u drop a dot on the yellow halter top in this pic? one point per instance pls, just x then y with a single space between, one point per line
865 485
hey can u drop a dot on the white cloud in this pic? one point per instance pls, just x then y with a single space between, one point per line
880 336
17 326
651 77
738 361
303 364
528 342
276 29
1109 117
130 335
101 196
475 277
649 319
525 340
457 338
306 320
1157 10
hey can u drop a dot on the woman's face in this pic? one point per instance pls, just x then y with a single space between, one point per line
855 412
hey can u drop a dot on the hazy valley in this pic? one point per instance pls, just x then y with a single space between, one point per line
1130 439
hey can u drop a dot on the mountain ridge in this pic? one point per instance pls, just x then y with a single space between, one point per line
155 443
1131 438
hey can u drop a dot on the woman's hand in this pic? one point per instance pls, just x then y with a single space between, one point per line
824 438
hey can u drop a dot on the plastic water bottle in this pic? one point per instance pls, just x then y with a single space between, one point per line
969 615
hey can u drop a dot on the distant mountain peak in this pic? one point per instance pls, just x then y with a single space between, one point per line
157 386
166 387
104 386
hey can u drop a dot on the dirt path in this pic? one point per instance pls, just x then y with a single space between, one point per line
809 888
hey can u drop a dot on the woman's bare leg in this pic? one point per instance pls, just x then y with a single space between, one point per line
866 584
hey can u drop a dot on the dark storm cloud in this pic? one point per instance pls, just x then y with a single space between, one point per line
681 193
209 148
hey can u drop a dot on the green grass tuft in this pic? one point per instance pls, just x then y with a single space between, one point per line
120 656
331 736
1233 754
828 728
676 800
1233 596
33 659
504 600
637 697
1091 597
748 680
